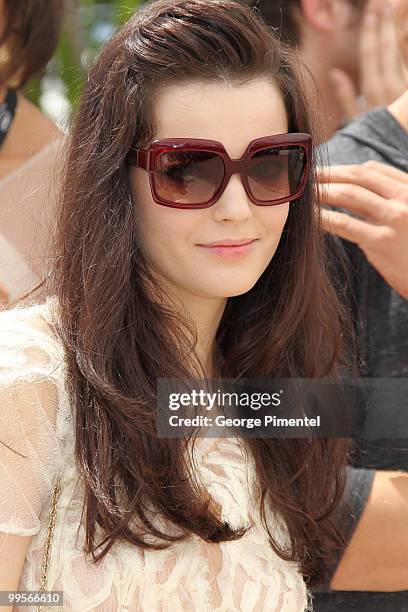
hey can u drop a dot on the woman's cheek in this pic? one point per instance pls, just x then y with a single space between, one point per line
276 220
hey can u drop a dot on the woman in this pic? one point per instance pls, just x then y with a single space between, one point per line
174 261
29 144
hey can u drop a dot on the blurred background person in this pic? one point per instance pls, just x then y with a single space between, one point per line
29 143
348 52
361 51
33 144
368 186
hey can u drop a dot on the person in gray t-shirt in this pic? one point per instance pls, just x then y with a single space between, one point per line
381 314
325 39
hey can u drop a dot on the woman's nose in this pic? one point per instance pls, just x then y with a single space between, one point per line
234 203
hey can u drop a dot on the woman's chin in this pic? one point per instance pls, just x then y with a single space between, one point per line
229 290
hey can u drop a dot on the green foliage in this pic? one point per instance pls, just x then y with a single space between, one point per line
88 24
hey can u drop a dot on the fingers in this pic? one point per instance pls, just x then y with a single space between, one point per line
370 62
382 73
369 176
394 79
382 77
346 227
356 199
346 93
386 170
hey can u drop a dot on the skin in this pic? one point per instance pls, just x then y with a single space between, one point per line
332 25
31 129
200 281
4 295
377 192
360 57
379 562
30 132
381 69
400 15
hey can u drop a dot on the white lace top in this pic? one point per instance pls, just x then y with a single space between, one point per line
191 576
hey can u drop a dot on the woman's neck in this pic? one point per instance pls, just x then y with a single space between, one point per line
30 132
399 110
205 314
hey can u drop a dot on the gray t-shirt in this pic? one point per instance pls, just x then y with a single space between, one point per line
382 323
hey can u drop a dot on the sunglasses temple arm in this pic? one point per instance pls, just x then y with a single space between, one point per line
139 158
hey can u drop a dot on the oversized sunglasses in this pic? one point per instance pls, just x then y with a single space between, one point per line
193 173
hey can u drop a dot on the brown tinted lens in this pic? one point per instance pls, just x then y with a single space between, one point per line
276 173
189 177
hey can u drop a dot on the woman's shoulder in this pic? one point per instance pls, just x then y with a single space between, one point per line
32 133
31 130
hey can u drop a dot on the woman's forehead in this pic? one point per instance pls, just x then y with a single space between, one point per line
234 114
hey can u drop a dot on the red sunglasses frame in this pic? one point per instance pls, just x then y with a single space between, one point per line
146 159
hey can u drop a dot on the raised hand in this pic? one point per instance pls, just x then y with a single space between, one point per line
382 75
377 197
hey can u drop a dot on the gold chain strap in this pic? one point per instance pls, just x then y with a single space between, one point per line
48 540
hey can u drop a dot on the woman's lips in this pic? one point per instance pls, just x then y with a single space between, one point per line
229 251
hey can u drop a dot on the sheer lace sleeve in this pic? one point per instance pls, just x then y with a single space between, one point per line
30 438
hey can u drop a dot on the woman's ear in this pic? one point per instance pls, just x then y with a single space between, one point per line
326 16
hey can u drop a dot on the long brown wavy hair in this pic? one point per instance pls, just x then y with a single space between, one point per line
118 334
